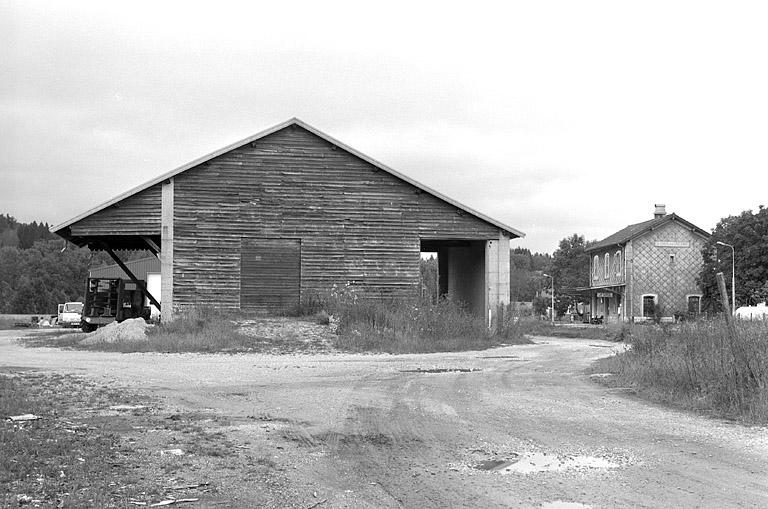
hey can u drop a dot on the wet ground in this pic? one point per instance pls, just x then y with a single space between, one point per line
519 426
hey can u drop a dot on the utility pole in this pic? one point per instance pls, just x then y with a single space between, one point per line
553 296
733 276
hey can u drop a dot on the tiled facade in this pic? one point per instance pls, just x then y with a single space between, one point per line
651 273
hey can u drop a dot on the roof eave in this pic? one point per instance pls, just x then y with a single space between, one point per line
671 217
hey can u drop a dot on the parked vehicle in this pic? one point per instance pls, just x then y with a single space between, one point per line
70 314
759 312
112 299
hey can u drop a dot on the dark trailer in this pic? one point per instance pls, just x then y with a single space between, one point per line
286 214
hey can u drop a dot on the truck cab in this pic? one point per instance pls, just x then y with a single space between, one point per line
70 314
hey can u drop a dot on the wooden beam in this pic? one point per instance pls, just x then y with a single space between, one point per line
152 245
130 274
724 297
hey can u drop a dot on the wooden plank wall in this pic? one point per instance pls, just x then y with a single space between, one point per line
136 215
356 223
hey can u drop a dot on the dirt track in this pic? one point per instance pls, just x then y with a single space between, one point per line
387 431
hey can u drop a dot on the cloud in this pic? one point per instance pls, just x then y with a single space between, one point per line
554 118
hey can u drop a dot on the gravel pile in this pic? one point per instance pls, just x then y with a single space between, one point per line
134 329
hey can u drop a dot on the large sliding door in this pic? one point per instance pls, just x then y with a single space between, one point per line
270 274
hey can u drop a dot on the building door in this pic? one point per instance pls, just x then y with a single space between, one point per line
270 274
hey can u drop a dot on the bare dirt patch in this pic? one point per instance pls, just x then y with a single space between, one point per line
288 335
95 446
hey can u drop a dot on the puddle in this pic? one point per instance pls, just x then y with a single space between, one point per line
492 465
440 370
531 463
512 357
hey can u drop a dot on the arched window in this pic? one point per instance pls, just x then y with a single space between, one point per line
607 267
596 267
618 263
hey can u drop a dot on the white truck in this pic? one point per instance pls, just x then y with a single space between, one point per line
70 314
759 312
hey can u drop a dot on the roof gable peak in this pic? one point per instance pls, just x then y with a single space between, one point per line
278 127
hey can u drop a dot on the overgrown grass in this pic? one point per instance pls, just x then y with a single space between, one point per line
197 330
398 326
608 332
700 365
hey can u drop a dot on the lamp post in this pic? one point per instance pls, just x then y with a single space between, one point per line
553 296
733 276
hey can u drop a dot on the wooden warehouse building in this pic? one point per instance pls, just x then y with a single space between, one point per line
288 213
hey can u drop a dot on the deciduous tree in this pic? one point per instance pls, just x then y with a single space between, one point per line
748 234
570 268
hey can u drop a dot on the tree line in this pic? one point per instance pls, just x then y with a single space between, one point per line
36 271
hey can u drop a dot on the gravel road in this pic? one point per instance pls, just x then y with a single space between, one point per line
518 426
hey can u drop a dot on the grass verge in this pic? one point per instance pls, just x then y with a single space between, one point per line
407 327
700 365
607 332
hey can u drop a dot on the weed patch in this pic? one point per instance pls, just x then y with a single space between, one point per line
698 365
422 327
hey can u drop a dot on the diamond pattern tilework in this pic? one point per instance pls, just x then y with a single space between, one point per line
662 266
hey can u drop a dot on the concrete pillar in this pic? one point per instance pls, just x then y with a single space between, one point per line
629 286
496 278
166 246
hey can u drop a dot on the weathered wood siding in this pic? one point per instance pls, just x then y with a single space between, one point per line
136 215
356 223
270 274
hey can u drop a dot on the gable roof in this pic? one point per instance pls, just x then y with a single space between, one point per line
635 230
293 121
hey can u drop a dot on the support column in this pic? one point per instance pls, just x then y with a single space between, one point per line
496 278
629 284
166 246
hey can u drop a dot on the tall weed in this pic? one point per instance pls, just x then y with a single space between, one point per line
199 329
701 364
418 326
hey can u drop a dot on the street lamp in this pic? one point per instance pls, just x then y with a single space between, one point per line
553 296
733 276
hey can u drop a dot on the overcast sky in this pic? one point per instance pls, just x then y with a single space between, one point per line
552 117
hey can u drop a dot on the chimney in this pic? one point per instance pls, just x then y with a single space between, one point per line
660 211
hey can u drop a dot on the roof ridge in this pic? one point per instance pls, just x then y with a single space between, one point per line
637 229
